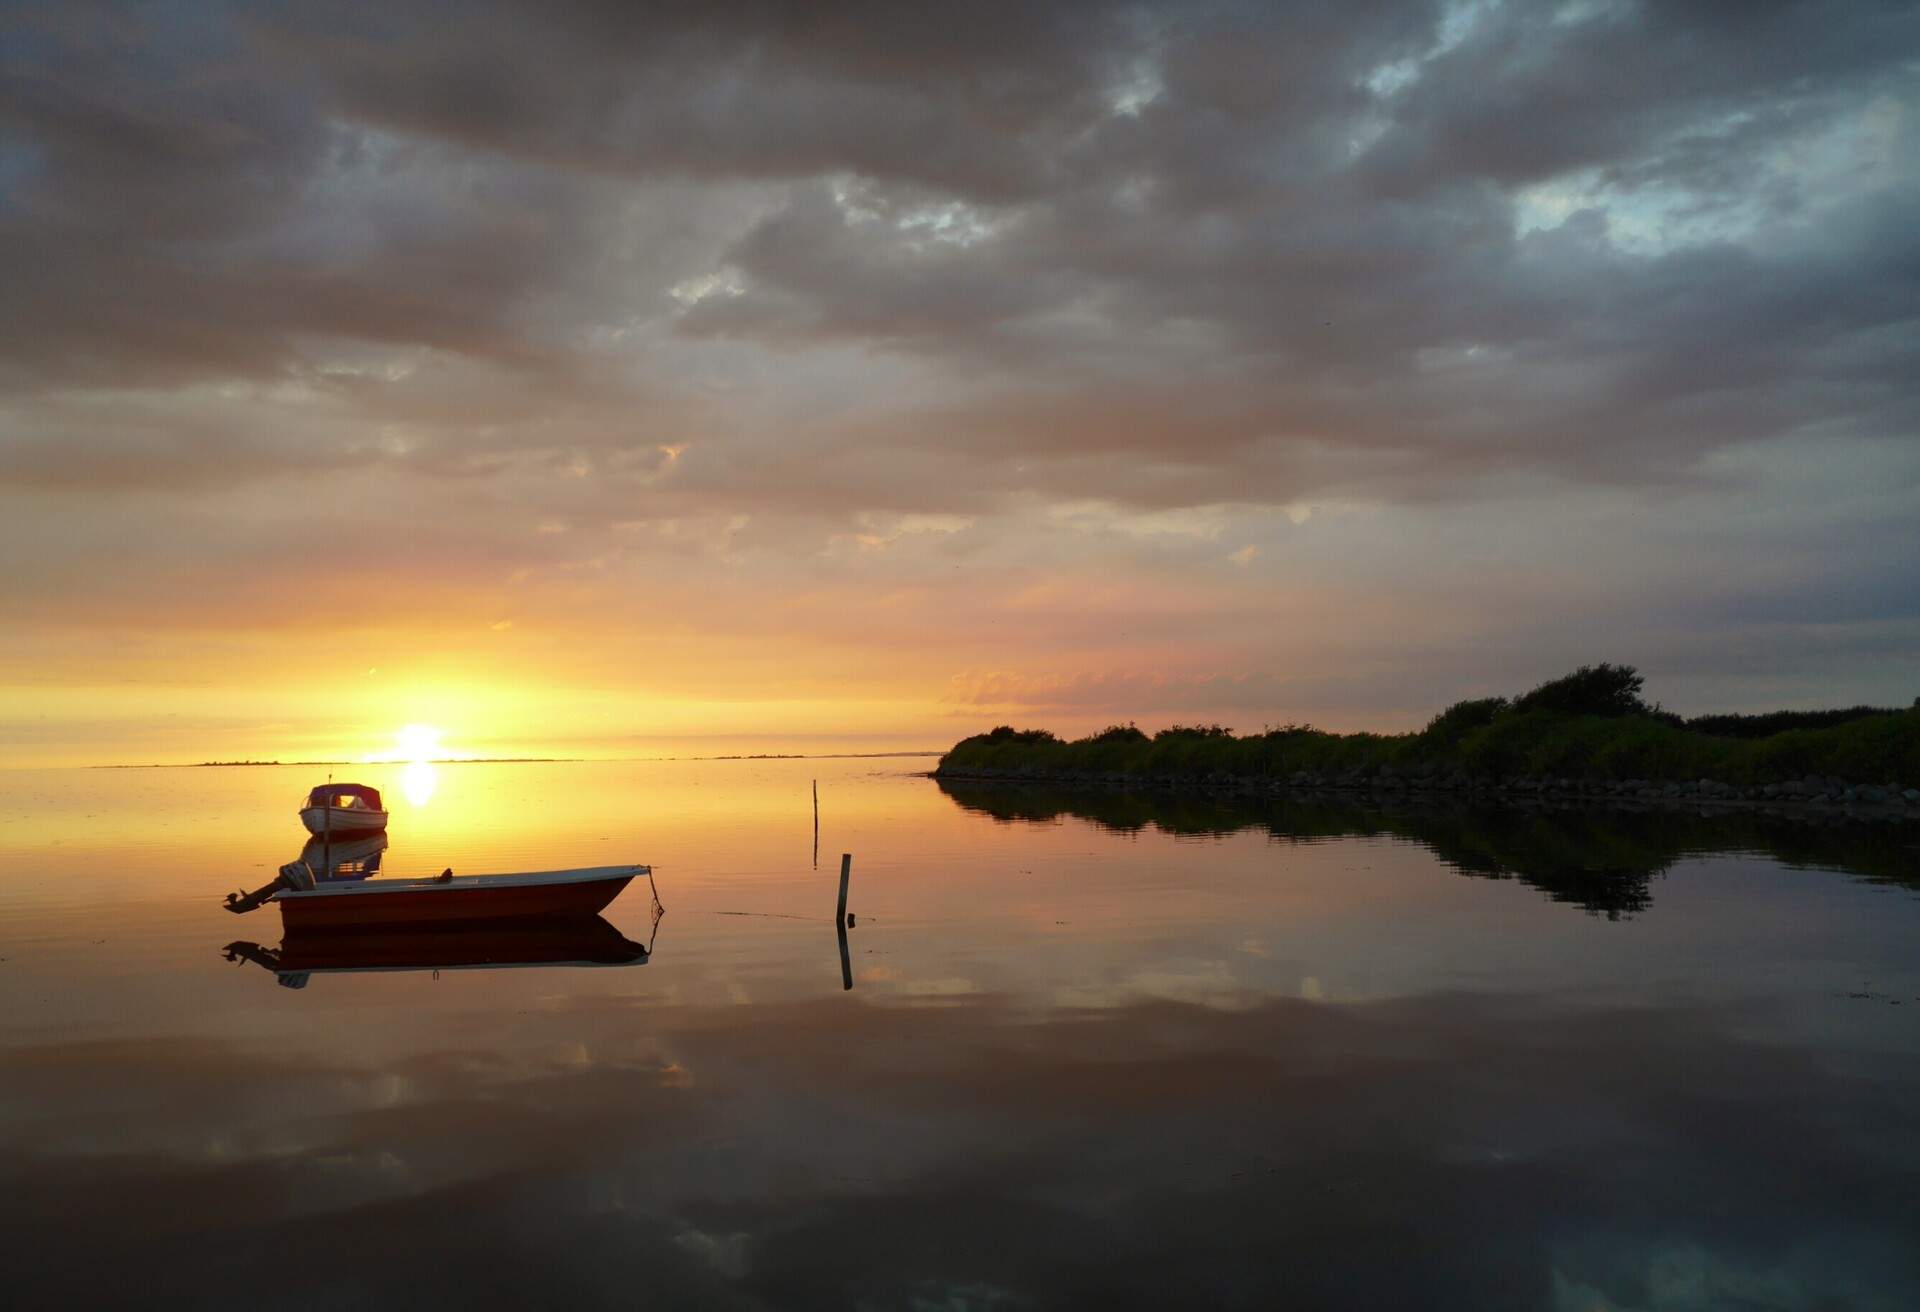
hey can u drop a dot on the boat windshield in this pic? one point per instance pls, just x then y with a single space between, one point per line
349 797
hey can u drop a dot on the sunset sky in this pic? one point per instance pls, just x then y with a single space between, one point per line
632 379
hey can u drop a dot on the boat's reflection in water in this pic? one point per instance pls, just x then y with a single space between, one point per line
350 858
590 941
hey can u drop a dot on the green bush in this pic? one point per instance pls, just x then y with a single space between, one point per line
1460 719
1590 690
1773 722
1643 748
1006 733
1487 736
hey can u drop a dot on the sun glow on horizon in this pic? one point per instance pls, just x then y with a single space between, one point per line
419 746
417 742
412 743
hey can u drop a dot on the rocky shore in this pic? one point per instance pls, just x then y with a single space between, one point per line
1825 793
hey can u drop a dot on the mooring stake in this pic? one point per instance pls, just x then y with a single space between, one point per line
840 921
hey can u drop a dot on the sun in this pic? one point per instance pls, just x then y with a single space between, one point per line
417 742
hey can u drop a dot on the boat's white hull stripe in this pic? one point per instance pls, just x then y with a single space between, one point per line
468 883
345 820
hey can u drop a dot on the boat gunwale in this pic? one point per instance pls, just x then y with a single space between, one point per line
467 883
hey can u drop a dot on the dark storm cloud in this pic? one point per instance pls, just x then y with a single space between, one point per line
566 291
1296 227
1635 88
970 99
178 210
1415 320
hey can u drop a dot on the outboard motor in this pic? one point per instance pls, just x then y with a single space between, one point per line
295 876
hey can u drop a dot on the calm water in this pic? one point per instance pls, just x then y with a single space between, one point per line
1096 1053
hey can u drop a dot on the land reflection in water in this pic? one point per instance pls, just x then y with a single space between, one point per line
1602 859
1152 1059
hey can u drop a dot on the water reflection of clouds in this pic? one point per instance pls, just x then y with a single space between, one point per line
1105 1117
1209 983
933 990
1446 1152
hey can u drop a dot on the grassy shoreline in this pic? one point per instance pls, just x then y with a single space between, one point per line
1580 738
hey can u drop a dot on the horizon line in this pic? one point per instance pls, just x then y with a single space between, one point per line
501 760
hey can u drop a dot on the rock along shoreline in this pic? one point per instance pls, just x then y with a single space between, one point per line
1813 794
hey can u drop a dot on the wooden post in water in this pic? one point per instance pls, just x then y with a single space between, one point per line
816 824
840 921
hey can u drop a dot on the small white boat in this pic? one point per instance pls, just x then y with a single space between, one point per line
343 809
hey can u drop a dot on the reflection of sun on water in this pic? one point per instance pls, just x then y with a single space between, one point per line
419 746
418 781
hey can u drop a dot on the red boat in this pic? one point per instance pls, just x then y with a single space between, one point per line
306 904
447 899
